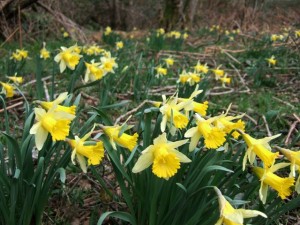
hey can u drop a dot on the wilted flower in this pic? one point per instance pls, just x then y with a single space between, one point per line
164 157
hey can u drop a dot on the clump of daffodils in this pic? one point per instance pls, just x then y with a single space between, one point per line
19 55
191 78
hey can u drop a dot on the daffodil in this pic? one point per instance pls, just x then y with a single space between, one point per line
218 72
44 53
160 71
65 34
185 36
94 71
19 54
261 148
160 31
108 63
297 33
94 152
93 50
293 157
15 79
214 137
119 45
107 31
170 109
268 178
163 157
169 61
199 108
232 216
225 80
57 102
123 139
55 122
272 61
67 58
7 89
225 123
189 77
200 68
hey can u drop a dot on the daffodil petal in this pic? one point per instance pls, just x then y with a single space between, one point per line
144 161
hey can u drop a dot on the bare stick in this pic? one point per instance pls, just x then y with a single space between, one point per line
230 56
293 126
46 92
11 106
267 126
131 111
284 102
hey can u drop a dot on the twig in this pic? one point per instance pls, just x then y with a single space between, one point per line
46 92
131 111
229 55
231 90
11 106
267 126
85 95
284 102
296 117
9 37
34 81
238 73
293 126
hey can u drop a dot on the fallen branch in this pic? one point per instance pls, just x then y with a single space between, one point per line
11 106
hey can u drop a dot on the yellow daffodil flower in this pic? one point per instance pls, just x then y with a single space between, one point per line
225 80
15 79
107 31
119 45
293 157
53 121
164 157
57 102
160 71
189 77
19 55
170 110
160 31
261 148
7 89
44 53
65 34
225 123
232 216
169 61
214 137
94 71
82 149
185 36
272 61
199 108
297 33
218 72
268 178
67 58
200 68
125 140
108 63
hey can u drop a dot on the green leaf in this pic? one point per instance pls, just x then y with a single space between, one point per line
120 215
62 174
182 187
